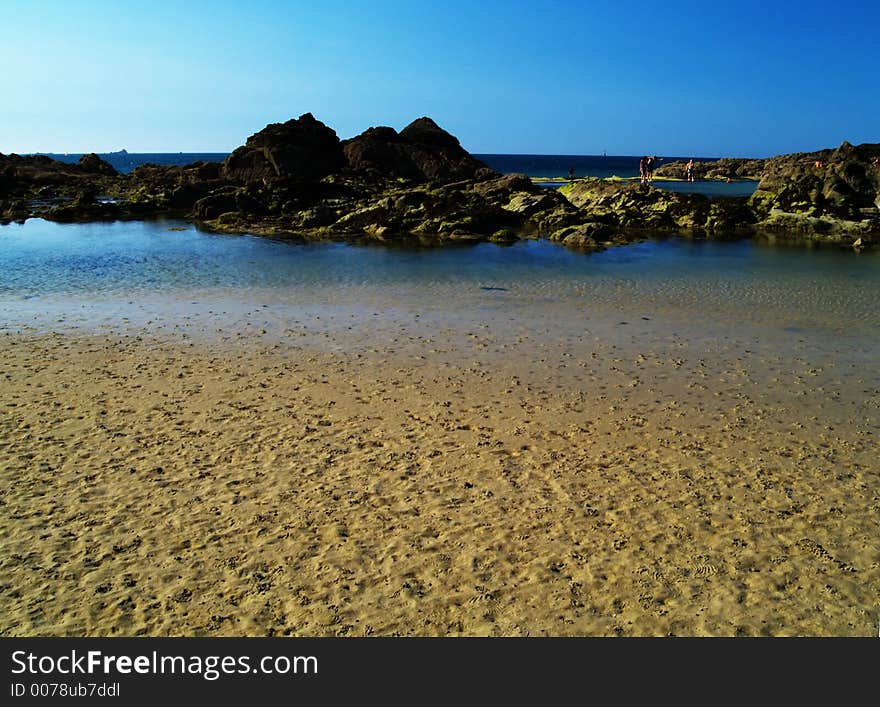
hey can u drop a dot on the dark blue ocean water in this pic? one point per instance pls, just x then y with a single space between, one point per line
549 166
126 161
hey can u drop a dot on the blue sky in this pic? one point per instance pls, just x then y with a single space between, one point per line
671 78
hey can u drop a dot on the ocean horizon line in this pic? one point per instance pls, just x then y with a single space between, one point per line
475 154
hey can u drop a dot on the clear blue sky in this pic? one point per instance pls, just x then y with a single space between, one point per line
670 78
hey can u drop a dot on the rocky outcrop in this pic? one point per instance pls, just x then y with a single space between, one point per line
724 168
84 207
422 151
23 174
92 164
635 206
35 185
826 195
303 149
169 188
297 179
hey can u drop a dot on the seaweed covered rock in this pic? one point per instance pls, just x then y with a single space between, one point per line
442 213
834 190
638 206
168 188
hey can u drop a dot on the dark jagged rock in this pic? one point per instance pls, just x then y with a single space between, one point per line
37 184
22 174
381 152
13 210
505 185
829 195
424 131
422 151
193 173
303 149
92 164
249 201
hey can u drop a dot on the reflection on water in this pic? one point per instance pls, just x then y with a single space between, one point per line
796 287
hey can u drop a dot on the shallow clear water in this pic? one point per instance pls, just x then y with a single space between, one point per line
47 267
709 188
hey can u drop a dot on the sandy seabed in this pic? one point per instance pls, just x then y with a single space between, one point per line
435 483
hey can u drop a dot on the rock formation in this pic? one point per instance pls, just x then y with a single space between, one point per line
299 150
92 164
725 168
635 206
422 151
826 195
296 179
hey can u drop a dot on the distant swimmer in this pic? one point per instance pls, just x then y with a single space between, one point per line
689 171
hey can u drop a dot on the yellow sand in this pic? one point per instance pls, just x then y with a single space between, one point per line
180 487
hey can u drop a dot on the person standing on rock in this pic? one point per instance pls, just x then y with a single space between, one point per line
643 170
689 171
649 168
